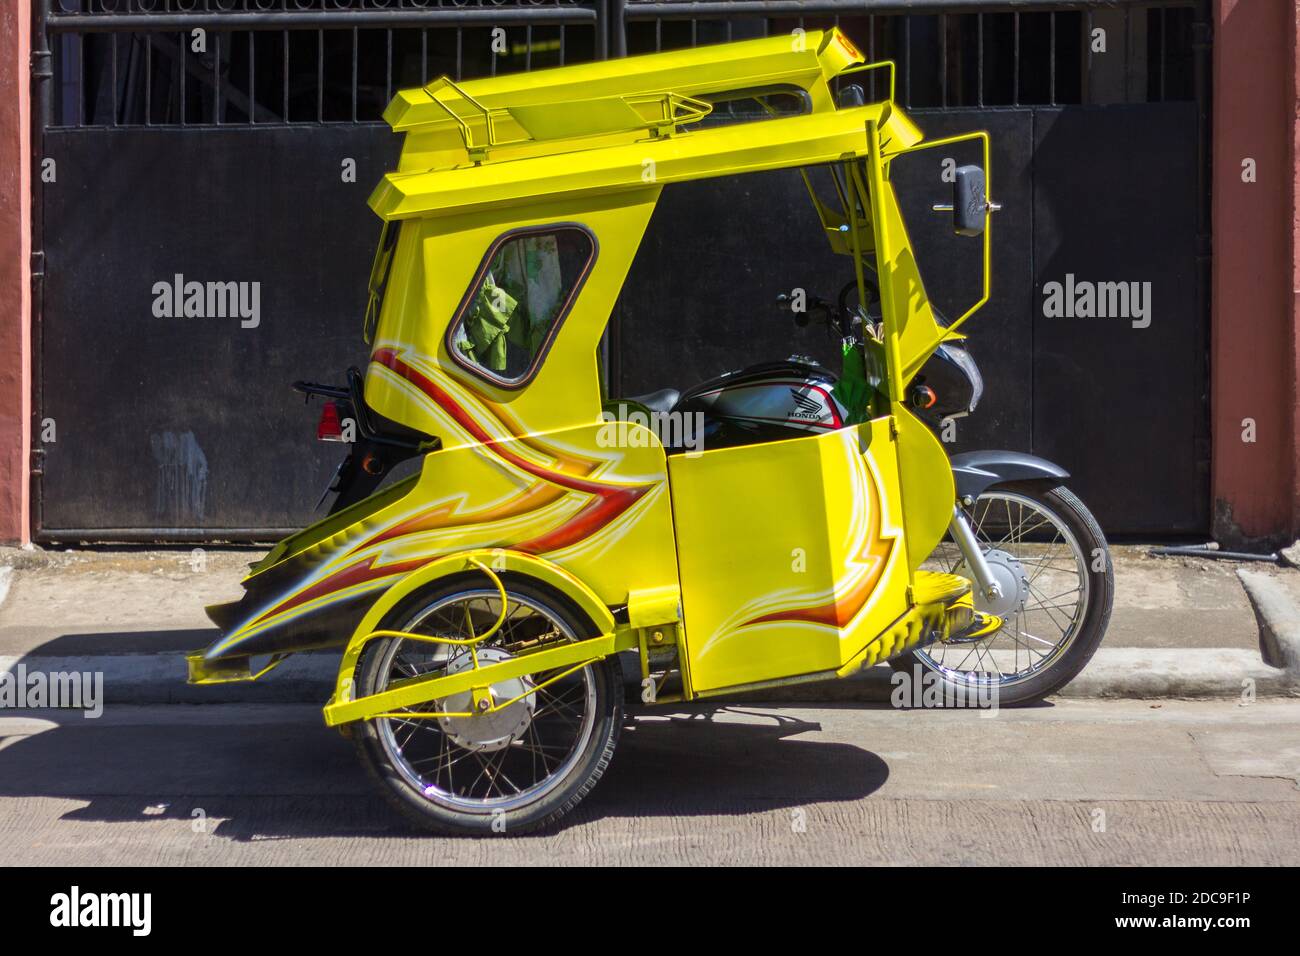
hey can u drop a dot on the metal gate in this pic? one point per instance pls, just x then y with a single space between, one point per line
232 144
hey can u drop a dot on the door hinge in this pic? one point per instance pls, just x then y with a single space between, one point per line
40 63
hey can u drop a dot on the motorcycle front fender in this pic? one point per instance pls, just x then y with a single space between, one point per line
974 472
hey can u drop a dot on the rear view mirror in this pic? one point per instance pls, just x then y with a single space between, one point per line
850 96
969 205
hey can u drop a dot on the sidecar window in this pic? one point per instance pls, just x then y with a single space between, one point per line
526 285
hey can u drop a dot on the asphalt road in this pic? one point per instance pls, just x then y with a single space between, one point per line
1091 782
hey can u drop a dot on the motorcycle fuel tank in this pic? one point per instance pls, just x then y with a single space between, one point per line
765 402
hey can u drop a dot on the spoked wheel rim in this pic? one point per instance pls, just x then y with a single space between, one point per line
509 759
1032 546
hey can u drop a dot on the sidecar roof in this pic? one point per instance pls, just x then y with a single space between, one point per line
618 124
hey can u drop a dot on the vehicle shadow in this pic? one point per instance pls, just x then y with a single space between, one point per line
283 775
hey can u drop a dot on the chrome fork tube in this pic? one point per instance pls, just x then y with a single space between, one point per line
964 535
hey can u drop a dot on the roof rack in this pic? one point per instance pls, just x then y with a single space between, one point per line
659 113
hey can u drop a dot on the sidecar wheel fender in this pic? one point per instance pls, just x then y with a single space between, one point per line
500 561
974 472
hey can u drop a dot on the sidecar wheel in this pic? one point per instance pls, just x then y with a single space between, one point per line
511 772
1043 538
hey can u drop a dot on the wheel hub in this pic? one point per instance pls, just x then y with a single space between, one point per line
1011 578
501 728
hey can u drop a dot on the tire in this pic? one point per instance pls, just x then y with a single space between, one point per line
1087 623
434 803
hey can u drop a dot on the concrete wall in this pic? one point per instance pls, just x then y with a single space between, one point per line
15 268
1253 360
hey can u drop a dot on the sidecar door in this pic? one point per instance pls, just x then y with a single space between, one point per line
791 554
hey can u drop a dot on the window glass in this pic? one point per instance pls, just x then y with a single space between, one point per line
519 299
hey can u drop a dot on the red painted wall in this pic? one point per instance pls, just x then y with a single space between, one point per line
15 275
1253 325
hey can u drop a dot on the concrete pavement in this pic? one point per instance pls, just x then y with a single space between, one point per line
1077 782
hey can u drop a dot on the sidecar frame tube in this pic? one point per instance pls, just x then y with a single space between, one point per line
422 690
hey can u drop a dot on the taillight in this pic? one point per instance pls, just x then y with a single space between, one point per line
329 428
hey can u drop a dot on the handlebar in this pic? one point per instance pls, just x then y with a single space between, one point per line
839 315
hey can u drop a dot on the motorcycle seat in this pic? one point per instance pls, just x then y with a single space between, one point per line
661 401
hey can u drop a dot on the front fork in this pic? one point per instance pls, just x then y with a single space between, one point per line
969 545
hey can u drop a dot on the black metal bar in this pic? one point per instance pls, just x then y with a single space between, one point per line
706 9
1163 51
216 81
1213 554
320 76
354 74
185 74
1202 69
81 80
309 19
600 46
285 38
1051 58
943 60
252 82
871 54
42 116
907 60
618 17
161 535
1128 51
112 97
148 80
1086 95
1015 62
979 59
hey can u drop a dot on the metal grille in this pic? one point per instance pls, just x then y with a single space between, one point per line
248 62
211 63
971 59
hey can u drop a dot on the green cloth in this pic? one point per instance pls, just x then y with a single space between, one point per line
488 324
516 304
853 390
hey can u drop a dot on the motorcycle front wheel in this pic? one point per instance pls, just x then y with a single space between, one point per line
1051 556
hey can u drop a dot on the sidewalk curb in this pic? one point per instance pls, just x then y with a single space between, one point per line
1156 673
1120 672
1278 616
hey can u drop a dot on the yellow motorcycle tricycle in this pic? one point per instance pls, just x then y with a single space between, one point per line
779 524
